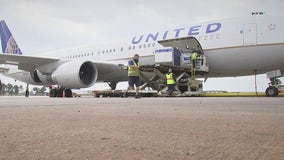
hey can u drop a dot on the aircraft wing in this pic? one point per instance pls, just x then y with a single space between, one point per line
107 69
185 44
26 63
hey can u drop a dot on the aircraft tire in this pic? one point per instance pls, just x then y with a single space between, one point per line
68 93
59 93
271 91
52 93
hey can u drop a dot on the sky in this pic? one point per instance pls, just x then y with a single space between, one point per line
44 25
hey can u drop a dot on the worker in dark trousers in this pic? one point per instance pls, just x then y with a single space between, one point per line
170 82
193 58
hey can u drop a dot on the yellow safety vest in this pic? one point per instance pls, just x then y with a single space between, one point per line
133 71
194 56
170 79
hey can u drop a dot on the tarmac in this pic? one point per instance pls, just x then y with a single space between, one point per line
148 128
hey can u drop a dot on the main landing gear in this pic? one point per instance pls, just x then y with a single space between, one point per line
60 92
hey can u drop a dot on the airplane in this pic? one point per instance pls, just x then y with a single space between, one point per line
233 47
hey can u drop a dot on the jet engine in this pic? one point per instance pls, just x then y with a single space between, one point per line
75 74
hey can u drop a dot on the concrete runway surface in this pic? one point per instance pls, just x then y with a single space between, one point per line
148 128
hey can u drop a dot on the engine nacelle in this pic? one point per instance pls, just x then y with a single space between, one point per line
75 74
41 79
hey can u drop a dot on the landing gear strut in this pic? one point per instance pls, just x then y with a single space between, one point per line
27 93
112 85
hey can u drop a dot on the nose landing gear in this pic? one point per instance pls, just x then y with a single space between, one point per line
275 85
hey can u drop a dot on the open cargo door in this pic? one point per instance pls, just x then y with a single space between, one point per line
184 45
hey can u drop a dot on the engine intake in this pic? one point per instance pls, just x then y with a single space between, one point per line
75 74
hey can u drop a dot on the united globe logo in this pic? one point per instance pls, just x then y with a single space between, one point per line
12 46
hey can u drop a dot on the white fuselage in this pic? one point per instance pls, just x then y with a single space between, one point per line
234 47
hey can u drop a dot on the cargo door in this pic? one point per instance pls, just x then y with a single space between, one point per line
184 45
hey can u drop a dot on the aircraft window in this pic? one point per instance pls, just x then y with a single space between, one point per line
121 49
85 55
153 45
133 47
129 48
106 51
82 55
113 50
144 46
149 45
103 51
110 51
92 53
140 46
88 54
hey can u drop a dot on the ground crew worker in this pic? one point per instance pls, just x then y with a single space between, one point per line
193 58
170 82
133 75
